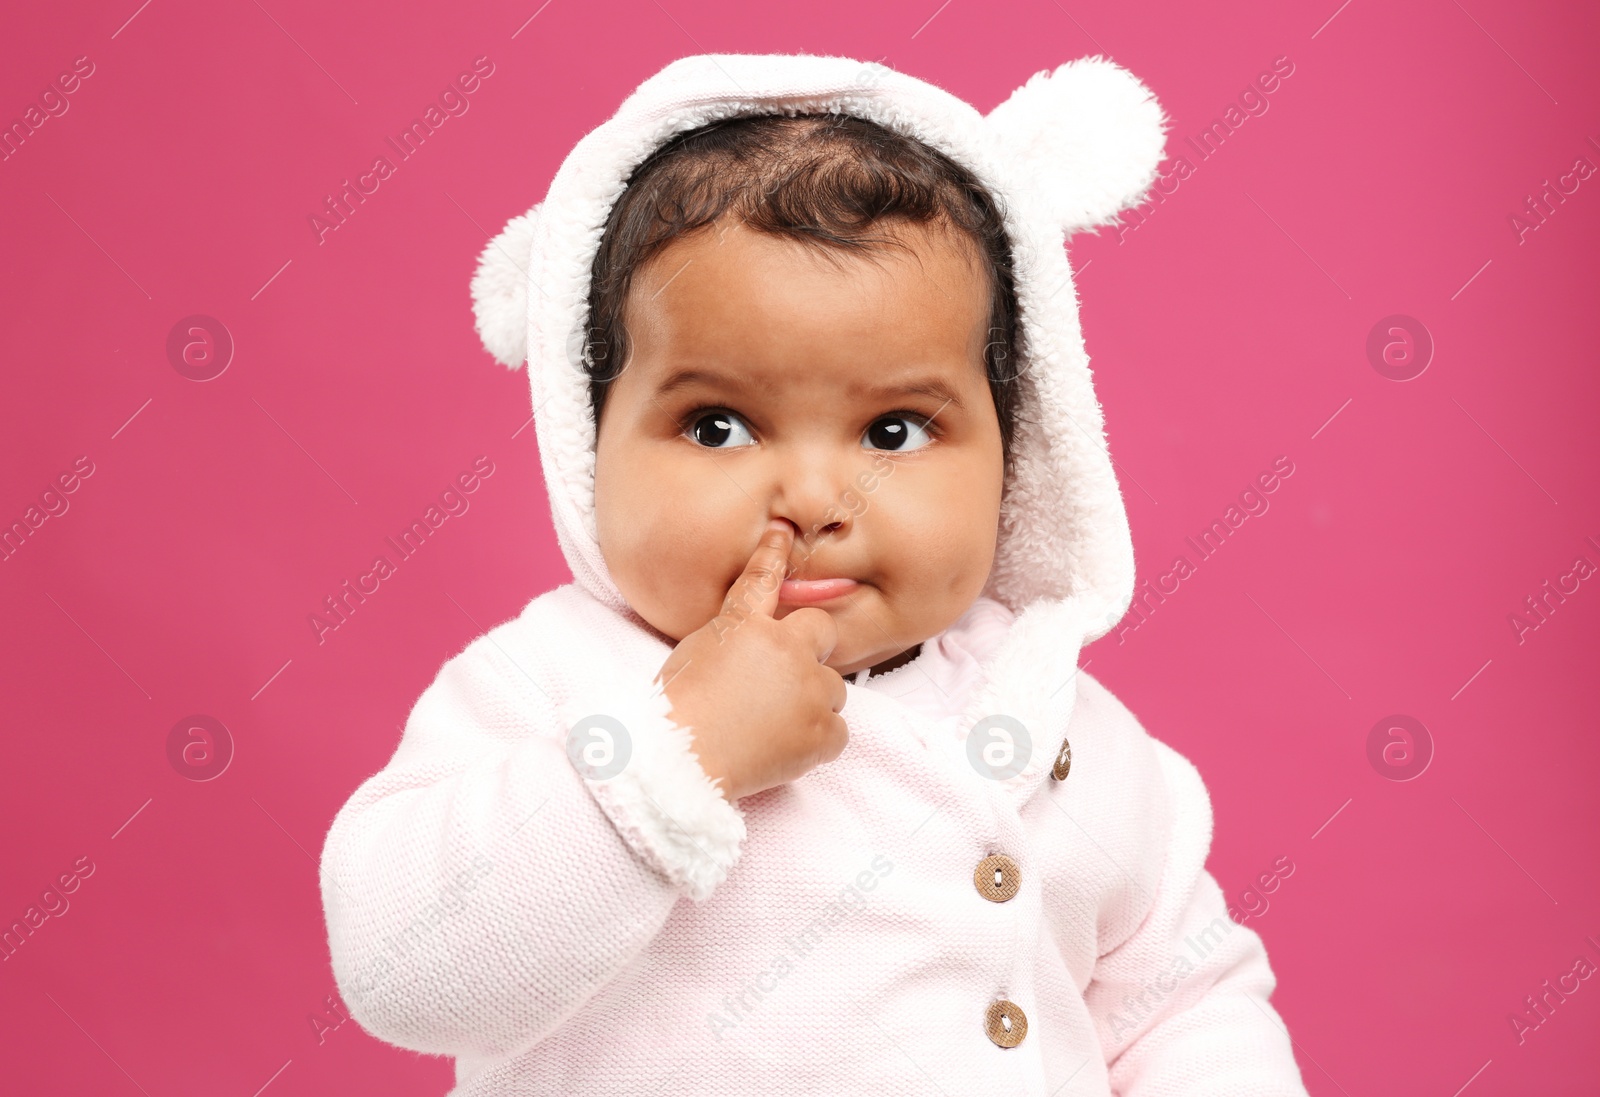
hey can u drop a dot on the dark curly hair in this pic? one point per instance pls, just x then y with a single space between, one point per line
822 179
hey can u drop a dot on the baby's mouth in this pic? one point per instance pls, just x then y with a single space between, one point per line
806 592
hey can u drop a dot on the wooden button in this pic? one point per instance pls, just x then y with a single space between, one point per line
1063 764
997 878
1006 1023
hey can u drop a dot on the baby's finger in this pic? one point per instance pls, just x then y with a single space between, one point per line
836 689
757 588
818 628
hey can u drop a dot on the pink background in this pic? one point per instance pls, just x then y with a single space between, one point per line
1228 329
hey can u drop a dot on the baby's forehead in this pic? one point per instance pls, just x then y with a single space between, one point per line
882 243
733 277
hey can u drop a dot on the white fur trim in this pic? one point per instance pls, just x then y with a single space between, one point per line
500 290
662 803
1088 136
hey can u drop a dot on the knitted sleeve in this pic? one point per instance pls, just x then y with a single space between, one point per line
498 871
1181 1005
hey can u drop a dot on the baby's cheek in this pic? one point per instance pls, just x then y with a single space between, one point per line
919 528
628 521
688 547
936 545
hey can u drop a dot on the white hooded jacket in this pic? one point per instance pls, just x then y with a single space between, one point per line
509 890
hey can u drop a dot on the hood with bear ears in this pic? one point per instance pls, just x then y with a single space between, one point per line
1067 151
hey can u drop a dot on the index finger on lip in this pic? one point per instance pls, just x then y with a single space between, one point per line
757 588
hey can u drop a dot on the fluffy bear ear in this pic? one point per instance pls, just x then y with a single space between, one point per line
500 290
1088 138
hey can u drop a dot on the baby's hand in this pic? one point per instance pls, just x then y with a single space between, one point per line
761 706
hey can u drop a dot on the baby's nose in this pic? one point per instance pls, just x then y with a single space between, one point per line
812 532
816 491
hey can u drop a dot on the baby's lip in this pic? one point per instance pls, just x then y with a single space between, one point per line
805 592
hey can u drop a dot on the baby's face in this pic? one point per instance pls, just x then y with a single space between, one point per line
844 393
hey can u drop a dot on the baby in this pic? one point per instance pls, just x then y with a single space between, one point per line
824 456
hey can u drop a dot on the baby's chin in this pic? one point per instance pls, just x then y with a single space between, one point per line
872 630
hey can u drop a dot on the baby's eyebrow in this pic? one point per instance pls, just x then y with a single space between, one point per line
690 376
933 387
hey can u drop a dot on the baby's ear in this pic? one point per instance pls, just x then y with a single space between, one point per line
1087 137
500 290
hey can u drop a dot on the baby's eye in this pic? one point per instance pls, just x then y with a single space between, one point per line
720 430
897 432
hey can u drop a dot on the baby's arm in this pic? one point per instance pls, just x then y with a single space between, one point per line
479 889
1181 1005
